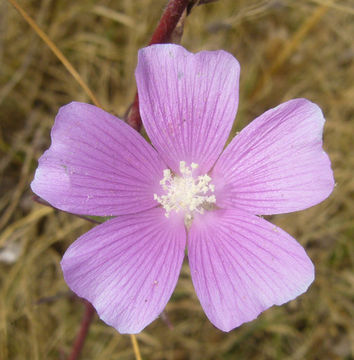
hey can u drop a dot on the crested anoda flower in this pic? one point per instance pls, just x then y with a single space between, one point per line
184 190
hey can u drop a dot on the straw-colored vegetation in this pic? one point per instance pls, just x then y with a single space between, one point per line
287 49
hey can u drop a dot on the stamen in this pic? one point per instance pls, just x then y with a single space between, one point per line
186 193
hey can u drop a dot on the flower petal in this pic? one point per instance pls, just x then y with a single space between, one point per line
188 102
97 165
127 267
242 265
276 164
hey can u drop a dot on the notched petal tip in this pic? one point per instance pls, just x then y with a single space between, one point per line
127 267
277 163
97 165
187 101
242 265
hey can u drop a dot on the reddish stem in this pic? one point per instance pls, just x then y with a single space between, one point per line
134 119
168 21
81 336
162 34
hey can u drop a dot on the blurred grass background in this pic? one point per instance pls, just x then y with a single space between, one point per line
287 49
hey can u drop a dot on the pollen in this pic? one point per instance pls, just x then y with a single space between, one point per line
186 193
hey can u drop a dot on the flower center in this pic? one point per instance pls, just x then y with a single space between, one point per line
186 193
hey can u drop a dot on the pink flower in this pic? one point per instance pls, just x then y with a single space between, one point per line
183 190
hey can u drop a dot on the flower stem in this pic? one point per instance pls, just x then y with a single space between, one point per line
162 34
168 21
81 336
135 347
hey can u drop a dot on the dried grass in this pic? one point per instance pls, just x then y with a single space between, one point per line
286 49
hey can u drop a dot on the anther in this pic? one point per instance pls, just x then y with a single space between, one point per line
186 193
